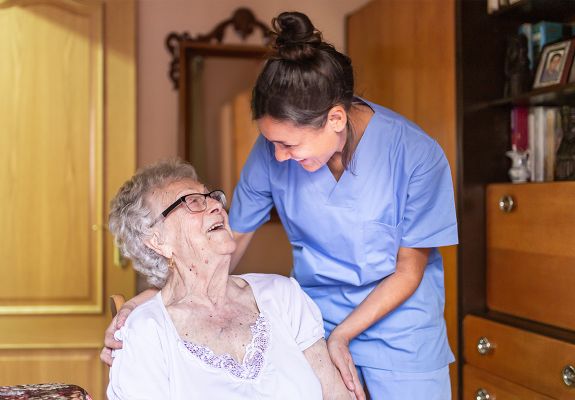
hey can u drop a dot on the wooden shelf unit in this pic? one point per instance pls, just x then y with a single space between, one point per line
483 126
537 10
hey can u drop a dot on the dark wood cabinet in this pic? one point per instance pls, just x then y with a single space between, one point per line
516 270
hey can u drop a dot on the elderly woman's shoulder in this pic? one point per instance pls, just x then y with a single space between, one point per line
263 279
151 309
269 283
148 320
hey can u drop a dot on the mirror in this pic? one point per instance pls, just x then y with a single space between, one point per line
214 80
215 128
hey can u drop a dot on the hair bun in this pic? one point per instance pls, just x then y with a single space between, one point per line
295 36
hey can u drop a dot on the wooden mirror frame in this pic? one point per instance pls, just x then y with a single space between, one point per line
184 48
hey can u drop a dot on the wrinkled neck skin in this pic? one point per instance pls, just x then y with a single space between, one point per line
205 282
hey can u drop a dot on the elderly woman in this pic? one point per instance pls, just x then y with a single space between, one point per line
207 334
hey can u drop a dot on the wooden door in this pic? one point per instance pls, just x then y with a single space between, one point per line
67 141
403 53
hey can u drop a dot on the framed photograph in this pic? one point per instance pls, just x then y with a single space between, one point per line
572 72
554 64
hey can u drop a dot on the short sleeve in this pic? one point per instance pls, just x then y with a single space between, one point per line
139 369
429 218
252 200
302 316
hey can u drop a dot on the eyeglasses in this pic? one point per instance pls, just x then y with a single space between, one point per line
195 202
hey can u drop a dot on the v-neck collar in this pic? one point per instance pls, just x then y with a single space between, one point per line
341 192
254 358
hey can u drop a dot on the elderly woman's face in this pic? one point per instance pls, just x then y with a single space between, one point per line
192 235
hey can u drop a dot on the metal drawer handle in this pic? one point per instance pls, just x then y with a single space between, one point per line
569 375
506 203
483 394
484 346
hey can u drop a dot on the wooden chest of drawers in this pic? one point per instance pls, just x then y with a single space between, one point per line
528 351
531 251
517 356
481 384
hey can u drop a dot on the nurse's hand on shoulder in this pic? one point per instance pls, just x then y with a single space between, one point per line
338 348
110 343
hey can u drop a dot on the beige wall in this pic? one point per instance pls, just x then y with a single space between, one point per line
157 101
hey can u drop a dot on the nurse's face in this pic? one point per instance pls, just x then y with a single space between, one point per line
311 147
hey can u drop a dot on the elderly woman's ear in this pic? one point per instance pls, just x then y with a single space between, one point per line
157 243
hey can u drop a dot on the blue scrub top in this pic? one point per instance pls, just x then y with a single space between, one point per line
346 234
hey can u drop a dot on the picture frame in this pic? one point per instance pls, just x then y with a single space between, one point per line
572 72
555 64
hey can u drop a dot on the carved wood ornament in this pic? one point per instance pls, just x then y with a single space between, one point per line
244 23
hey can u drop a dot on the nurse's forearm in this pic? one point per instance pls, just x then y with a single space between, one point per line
388 295
140 298
242 241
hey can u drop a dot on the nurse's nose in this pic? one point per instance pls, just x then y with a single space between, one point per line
281 154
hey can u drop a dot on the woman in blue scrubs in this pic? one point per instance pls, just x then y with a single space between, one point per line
366 198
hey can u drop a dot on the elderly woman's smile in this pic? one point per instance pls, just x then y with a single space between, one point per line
186 209
216 226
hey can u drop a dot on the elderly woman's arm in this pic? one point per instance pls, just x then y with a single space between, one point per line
332 385
305 323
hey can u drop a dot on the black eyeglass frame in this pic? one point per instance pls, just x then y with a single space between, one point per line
164 214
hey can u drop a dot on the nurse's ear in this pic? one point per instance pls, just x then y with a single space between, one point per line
337 118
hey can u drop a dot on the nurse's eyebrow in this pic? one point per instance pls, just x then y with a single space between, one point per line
281 142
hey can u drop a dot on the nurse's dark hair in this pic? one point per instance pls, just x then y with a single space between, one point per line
303 78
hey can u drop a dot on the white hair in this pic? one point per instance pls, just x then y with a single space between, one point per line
130 217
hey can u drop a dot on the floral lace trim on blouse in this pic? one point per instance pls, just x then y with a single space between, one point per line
253 361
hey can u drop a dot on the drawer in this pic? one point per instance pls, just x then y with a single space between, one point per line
476 380
531 252
521 357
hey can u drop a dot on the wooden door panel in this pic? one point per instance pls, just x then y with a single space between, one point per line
67 142
51 157
83 366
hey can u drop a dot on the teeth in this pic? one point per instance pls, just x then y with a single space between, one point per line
215 226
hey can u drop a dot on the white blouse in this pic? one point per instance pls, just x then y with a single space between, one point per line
155 363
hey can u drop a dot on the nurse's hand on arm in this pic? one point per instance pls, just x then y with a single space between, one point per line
118 321
388 295
332 385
